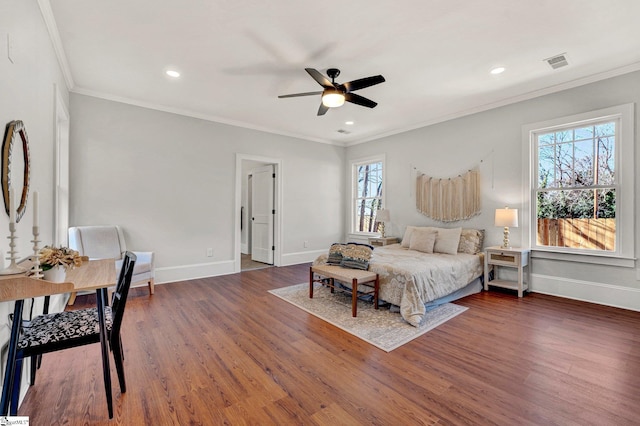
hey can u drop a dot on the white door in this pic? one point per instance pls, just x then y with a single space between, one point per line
262 214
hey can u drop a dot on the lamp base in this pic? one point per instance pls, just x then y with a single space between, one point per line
381 229
505 240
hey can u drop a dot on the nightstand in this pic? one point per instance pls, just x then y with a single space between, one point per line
383 241
511 257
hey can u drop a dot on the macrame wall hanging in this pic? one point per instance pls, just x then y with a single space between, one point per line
449 200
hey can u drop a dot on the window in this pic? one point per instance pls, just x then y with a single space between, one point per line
576 187
368 190
581 183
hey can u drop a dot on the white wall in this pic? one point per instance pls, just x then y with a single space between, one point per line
492 140
27 90
169 181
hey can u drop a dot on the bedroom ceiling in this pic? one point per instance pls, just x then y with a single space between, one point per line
235 58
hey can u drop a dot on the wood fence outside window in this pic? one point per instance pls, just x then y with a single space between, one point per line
598 234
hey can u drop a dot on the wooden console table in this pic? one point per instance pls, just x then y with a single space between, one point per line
95 275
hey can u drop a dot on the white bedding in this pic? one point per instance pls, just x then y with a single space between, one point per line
409 278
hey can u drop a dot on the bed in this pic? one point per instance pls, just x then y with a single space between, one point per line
414 278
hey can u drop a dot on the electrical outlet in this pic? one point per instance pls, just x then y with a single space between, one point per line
306 244
209 252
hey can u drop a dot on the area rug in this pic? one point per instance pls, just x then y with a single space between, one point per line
382 328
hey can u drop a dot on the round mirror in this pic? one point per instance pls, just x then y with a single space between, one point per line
15 166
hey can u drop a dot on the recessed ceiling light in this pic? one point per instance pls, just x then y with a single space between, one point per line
173 73
349 123
497 70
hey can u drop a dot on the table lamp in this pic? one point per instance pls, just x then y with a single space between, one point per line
382 216
508 218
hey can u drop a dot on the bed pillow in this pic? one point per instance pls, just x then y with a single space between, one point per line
471 241
356 256
423 239
335 253
447 240
406 239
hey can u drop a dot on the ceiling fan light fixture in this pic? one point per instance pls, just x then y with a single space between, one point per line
332 98
335 94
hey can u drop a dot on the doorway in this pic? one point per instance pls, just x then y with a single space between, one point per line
258 212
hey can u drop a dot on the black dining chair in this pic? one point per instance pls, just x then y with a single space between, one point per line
64 330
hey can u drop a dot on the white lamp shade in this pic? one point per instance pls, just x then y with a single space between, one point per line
332 98
383 215
507 217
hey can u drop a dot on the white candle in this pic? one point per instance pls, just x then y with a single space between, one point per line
12 206
35 208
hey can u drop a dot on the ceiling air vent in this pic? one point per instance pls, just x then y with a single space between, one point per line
344 132
558 61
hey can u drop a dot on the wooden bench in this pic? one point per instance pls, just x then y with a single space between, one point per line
329 273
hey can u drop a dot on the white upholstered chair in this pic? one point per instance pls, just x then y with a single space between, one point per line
106 242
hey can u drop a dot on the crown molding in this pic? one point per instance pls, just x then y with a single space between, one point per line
508 101
192 114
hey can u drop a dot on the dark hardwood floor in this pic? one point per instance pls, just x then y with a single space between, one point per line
224 351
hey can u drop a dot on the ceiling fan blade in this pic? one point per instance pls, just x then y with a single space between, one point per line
359 100
295 95
362 83
321 79
323 109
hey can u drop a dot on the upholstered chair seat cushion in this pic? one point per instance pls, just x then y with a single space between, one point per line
142 267
50 329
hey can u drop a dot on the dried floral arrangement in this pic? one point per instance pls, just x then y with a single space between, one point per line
59 256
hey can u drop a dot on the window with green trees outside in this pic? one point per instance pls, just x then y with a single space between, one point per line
576 186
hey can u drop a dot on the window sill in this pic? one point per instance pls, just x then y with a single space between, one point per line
362 236
598 259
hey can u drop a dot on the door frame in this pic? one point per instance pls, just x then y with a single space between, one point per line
277 220
61 172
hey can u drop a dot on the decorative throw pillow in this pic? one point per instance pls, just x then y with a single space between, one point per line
423 239
471 241
335 253
356 256
406 239
447 240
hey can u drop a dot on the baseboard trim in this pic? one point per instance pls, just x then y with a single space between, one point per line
587 291
192 272
301 257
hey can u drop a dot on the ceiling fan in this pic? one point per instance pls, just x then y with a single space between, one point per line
335 94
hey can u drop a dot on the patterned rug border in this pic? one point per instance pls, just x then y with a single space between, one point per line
390 331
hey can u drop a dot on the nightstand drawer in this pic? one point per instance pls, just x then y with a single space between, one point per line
506 259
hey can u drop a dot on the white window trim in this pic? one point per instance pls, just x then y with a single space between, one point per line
353 164
624 254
